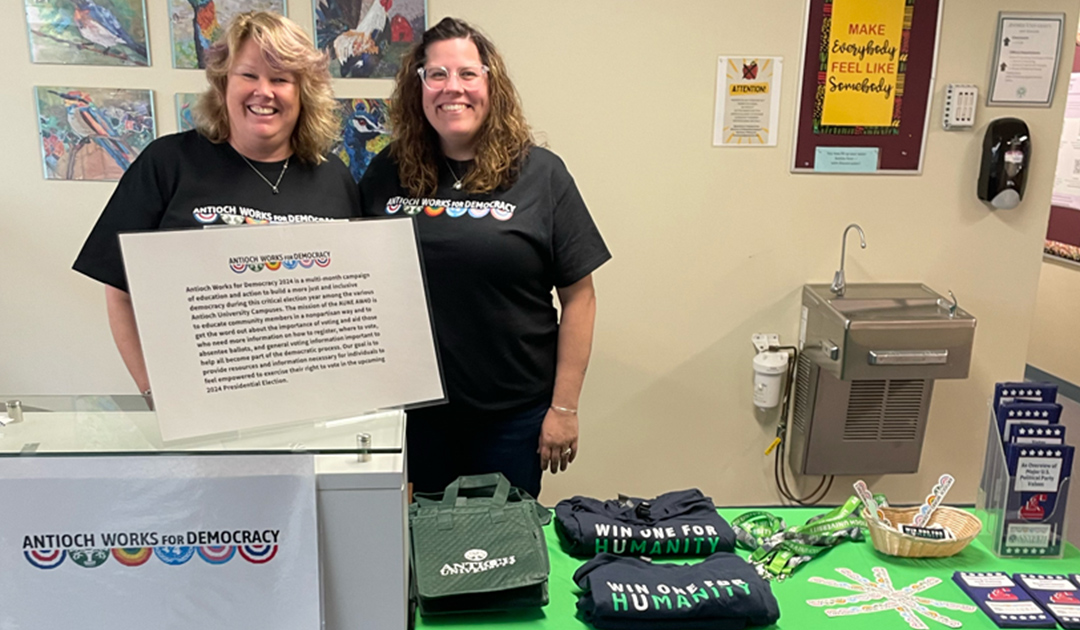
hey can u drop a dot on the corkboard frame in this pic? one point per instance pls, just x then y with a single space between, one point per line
898 154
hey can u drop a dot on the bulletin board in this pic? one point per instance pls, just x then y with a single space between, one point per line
866 82
1063 229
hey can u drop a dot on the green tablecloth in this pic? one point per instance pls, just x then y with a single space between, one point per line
792 594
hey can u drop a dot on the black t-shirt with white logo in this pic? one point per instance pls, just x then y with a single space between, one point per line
491 261
184 181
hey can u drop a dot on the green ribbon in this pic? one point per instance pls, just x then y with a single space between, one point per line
776 550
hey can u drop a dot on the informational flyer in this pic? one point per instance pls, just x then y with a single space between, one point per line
1026 63
747 101
275 324
159 542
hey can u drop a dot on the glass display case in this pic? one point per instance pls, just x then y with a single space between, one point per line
86 425
360 483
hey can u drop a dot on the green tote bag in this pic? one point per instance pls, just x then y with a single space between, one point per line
478 546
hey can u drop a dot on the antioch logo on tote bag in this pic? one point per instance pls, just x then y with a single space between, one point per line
478 546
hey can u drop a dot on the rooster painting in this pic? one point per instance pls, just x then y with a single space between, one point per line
365 38
196 24
364 132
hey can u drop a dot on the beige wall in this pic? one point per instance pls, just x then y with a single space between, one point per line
711 245
1055 335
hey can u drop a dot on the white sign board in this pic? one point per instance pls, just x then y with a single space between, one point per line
275 324
159 542
1026 63
747 101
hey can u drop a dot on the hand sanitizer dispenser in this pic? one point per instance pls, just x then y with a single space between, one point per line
1006 153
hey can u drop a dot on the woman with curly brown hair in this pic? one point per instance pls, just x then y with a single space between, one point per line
501 224
258 155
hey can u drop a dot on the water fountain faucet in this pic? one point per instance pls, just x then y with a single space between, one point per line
838 284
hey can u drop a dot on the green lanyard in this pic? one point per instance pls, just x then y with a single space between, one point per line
776 550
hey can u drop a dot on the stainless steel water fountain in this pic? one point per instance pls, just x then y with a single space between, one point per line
870 356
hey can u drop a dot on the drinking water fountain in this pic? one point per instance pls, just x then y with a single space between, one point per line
870 355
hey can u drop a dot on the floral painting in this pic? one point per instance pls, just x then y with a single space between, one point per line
195 24
366 38
92 133
88 32
364 132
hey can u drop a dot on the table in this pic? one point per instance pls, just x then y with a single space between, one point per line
860 557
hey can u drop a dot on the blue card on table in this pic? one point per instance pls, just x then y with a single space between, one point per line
1006 603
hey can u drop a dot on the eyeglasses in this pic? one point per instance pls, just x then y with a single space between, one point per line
437 77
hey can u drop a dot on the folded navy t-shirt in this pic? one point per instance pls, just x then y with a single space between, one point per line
722 592
682 523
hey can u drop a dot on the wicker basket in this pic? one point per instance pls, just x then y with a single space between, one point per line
963 524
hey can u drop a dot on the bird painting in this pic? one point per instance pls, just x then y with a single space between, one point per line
185 115
367 41
205 26
91 32
98 25
364 133
197 24
90 133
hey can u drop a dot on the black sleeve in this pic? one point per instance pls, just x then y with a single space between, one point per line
576 242
138 203
380 177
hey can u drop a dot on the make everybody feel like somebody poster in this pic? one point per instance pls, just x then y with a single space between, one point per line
866 80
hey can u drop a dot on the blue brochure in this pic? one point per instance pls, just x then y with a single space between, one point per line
1031 392
1006 603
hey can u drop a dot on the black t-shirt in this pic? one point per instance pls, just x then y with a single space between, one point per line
722 592
491 261
681 523
183 180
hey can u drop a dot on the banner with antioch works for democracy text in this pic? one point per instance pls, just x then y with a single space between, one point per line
158 542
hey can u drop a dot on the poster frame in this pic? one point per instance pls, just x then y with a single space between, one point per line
869 140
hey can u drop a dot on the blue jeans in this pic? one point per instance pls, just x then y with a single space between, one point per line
448 441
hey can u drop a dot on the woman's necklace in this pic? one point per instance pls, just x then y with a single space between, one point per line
274 186
457 180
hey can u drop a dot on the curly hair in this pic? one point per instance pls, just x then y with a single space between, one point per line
501 143
286 47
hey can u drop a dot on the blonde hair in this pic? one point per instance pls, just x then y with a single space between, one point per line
501 143
286 47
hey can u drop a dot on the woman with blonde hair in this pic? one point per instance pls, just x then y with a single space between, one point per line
258 155
501 224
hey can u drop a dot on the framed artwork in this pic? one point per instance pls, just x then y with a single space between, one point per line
364 132
88 32
366 38
184 117
195 24
92 133
866 82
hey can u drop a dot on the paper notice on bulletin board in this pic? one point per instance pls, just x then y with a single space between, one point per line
1067 176
747 101
863 70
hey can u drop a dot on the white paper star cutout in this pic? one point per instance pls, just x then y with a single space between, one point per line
905 601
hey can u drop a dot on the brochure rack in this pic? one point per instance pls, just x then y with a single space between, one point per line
1018 522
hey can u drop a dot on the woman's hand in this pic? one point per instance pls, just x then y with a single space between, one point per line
558 439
